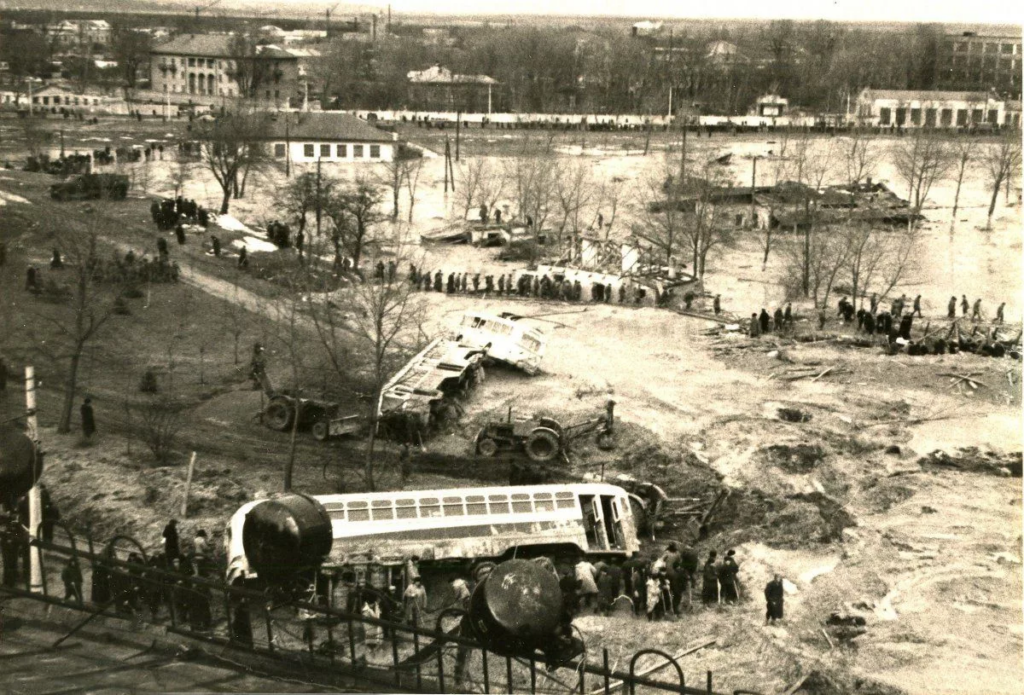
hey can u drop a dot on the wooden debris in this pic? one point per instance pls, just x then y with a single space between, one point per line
828 639
822 374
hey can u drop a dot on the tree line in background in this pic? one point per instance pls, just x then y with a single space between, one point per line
817 65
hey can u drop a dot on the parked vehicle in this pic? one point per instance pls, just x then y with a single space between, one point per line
91 187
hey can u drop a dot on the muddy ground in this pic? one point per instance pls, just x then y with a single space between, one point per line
833 481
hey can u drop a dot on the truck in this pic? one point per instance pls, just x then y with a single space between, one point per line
91 187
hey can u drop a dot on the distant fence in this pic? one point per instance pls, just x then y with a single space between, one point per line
119 580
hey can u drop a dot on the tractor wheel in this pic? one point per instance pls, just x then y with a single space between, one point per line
542 445
279 414
487 447
605 441
321 430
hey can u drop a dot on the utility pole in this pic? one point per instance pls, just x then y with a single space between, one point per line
458 126
447 159
682 159
35 503
753 188
287 149
318 197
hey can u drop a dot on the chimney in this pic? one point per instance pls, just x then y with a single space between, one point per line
373 29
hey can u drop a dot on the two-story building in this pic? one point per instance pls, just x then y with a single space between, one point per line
79 32
207 65
305 138
907 108
439 89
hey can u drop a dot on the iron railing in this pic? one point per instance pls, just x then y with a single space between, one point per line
323 639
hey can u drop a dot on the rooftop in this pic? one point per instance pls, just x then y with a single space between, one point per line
439 75
325 126
925 95
212 46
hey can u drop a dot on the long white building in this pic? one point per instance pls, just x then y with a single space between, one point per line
887 108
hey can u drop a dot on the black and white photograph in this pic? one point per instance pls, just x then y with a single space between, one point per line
581 348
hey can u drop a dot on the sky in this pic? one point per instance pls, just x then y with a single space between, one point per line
952 11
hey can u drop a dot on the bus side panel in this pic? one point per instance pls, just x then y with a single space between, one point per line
464 542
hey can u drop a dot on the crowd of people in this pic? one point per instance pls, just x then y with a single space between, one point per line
174 213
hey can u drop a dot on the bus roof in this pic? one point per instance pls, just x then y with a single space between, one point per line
578 488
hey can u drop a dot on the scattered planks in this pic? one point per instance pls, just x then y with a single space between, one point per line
969 379
804 373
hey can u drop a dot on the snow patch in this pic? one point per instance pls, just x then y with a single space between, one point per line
232 224
252 244
6 197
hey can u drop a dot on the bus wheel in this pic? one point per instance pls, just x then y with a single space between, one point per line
605 441
321 430
542 445
487 447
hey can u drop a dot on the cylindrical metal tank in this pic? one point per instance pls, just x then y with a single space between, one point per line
286 535
16 457
516 608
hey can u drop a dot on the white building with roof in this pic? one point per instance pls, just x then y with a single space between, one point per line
907 108
308 137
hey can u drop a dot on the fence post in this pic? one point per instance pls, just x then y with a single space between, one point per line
508 673
487 674
533 675
709 681
416 649
607 674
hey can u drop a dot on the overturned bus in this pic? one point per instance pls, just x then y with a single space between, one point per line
374 535
506 337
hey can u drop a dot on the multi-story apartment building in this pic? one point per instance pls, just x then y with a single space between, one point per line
205 65
972 62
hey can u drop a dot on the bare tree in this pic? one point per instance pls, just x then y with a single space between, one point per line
1002 161
480 183
964 151
859 156
91 306
574 192
412 178
705 228
231 147
532 181
308 193
661 217
161 418
920 161
354 214
250 69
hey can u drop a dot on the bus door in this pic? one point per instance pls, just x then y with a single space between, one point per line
593 522
612 515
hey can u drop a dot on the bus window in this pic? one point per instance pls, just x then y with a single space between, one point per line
499 504
612 521
429 506
381 510
565 500
406 508
521 503
357 511
453 506
475 505
542 502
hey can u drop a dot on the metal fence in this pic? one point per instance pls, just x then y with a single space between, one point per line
118 579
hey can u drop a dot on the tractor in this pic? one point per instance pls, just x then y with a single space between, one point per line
543 439
319 417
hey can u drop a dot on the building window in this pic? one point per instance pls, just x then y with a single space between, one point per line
268 94
901 116
976 115
929 117
191 62
46 100
947 117
915 116
308 151
357 151
277 94
884 116
993 116
374 151
961 117
279 149
325 150
165 88
342 151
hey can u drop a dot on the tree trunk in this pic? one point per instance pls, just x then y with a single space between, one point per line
807 262
992 203
226 201
289 465
371 440
64 426
956 196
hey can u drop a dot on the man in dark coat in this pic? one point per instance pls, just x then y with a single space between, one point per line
709 589
717 304
905 325
1000 316
874 303
179 233
951 309
787 315
688 565
437 280
450 287
755 326
727 572
88 419
777 318
172 546
964 305
774 596
917 307
869 324
764 320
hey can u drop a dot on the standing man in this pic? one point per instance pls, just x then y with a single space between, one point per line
586 581
717 304
774 596
976 315
216 245
88 419
917 307
787 315
951 308
1000 318
415 597
755 326
874 303
964 305
709 590
172 547
765 321
71 575
727 573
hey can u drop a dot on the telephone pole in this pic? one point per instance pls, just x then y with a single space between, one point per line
35 504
